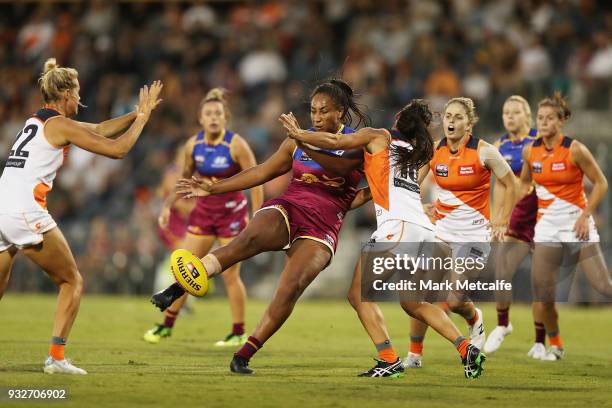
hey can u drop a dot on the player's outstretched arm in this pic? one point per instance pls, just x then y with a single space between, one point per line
112 127
338 164
279 163
115 126
326 140
63 131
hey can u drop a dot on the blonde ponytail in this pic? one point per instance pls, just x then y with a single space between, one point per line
55 80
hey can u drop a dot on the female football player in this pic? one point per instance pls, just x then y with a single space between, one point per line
215 153
462 166
516 116
38 152
392 161
557 165
305 220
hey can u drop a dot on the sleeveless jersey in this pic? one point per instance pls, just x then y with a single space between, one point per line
319 190
559 182
215 160
31 167
395 193
464 187
512 151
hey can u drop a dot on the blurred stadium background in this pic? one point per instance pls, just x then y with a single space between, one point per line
269 55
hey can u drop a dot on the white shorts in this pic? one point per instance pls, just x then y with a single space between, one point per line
467 246
24 229
552 233
396 236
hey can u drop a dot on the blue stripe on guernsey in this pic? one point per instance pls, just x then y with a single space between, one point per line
513 151
307 161
214 160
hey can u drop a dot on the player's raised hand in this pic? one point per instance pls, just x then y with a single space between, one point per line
154 91
193 187
290 124
143 97
148 98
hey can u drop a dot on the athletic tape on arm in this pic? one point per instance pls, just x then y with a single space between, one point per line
492 158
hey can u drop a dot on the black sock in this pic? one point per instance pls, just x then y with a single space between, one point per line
176 290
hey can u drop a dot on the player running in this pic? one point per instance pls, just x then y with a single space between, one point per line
516 116
557 165
38 152
305 220
392 161
462 166
214 154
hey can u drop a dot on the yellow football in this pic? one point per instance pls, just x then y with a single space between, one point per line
189 272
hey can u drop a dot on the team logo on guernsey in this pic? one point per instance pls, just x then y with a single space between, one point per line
304 157
536 167
220 161
466 170
329 240
442 170
199 158
559 166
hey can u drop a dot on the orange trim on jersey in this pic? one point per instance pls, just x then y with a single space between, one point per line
542 204
462 174
40 194
442 209
555 170
376 167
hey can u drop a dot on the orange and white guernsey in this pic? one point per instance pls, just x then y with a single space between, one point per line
396 196
462 207
559 184
30 168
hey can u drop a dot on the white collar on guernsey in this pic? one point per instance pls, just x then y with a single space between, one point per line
401 143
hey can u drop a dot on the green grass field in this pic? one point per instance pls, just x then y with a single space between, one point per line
312 361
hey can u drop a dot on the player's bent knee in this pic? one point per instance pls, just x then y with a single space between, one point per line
74 280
